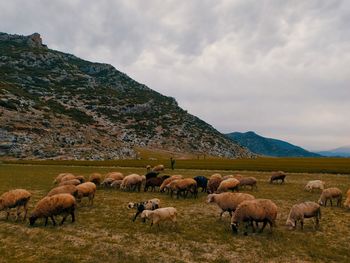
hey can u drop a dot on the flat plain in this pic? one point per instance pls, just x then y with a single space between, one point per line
104 232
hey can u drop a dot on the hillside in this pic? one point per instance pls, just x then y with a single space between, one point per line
267 146
57 106
338 152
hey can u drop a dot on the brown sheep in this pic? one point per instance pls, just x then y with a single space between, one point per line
213 184
132 182
96 178
69 182
228 202
276 176
183 185
248 181
256 210
81 178
328 194
227 176
158 168
228 184
154 182
86 189
15 198
115 176
64 189
60 176
167 181
347 201
303 210
54 205
68 177
107 182
216 175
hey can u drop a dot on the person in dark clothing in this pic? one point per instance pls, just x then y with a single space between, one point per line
172 163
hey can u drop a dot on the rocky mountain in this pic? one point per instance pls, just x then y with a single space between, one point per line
338 152
57 106
269 147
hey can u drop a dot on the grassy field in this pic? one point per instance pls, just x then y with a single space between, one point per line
294 165
105 232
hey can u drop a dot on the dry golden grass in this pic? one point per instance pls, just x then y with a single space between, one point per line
105 232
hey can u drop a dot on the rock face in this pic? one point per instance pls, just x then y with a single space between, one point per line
56 106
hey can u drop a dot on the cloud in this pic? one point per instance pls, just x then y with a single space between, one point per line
279 68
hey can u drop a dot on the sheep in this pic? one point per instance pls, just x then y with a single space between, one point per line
148 168
116 184
213 184
183 185
202 182
303 210
86 189
227 176
158 168
251 181
115 176
151 174
153 182
64 189
167 181
256 210
238 176
228 202
107 182
15 198
160 214
81 178
347 201
216 175
95 178
69 182
132 182
60 176
314 184
228 184
278 176
50 206
151 204
328 194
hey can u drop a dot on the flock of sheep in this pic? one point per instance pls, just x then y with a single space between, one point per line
243 208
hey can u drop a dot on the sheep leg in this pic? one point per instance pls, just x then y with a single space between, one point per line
25 211
7 213
246 228
17 213
264 224
302 224
331 201
223 211
252 225
46 219
137 213
53 220
63 219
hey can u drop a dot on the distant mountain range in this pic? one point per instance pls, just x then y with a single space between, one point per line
338 152
269 147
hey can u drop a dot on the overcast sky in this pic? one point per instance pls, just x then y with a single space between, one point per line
279 68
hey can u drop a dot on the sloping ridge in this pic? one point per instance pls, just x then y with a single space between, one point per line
268 146
57 106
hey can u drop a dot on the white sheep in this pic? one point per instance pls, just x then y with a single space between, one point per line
314 184
303 210
160 214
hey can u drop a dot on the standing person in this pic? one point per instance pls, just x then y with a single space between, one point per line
172 162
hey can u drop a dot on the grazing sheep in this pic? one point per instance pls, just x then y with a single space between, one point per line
116 184
216 176
107 182
15 198
347 201
167 181
81 178
303 210
151 174
69 182
202 182
67 177
151 204
227 177
238 176
314 184
148 168
60 176
158 168
278 176
160 214
183 185
54 205
328 194
132 182
153 183
115 176
87 189
228 202
64 189
95 178
228 184
248 181
213 184
256 210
